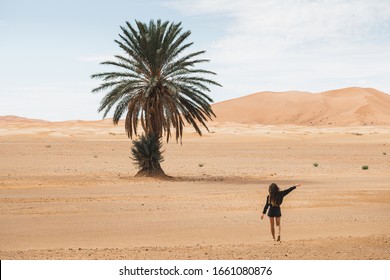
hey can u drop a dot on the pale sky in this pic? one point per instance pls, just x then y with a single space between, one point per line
49 49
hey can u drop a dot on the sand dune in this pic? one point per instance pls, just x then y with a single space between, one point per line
16 121
343 107
14 125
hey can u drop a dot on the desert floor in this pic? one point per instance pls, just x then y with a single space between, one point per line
67 191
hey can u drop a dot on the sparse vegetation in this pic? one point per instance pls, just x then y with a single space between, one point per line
315 164
365 167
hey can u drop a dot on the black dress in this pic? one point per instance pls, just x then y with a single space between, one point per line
274 210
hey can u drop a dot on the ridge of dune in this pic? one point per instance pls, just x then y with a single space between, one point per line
342 107
351 106
17 119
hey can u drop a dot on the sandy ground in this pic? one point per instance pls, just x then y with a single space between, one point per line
67 191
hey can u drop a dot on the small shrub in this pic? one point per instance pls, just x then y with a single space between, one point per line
147 154
365 167
201 164
384 153
315 164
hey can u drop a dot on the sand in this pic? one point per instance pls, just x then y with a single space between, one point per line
343 107
67 191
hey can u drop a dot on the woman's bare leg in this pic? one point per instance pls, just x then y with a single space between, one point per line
272 222
279 226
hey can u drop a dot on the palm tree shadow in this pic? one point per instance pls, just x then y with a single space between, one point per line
219 179
239 180
200 178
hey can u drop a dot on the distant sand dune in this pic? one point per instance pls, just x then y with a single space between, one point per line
6 121
343 107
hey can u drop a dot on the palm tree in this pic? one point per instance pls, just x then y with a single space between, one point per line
157 84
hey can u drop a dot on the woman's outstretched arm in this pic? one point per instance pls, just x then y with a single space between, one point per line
286 192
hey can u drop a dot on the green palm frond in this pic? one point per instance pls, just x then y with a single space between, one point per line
158 86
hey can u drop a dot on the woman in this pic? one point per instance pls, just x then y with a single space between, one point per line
274 200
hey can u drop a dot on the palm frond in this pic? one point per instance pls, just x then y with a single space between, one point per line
147 152
160 88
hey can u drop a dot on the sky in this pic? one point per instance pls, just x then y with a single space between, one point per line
49 49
